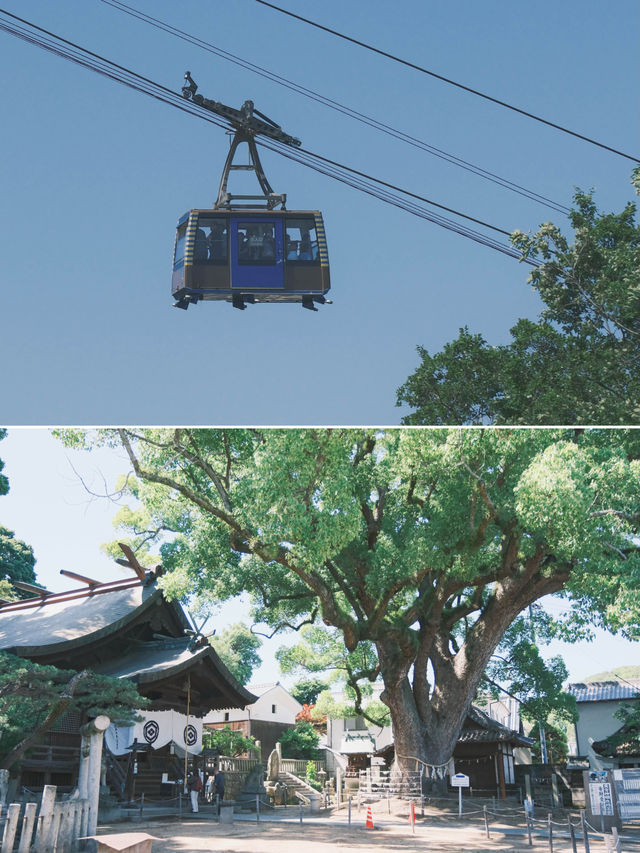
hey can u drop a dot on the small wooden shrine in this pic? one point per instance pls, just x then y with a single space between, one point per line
125 629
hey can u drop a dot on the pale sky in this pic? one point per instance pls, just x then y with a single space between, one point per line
49 508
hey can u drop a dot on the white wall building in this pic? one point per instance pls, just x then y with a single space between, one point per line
274 712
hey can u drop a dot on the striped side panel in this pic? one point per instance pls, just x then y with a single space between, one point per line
190 239
322 240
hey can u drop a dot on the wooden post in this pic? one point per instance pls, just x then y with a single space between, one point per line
96 729
4 786
65 836
503 790
78 819
55 827
44 819
10 827
549 825
28 822
527 787
572 836
529 830
83 780
486 821
585 834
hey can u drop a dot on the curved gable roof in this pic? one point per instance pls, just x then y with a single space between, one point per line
65 621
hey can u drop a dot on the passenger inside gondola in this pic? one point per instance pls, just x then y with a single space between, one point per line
268 252
301 240
218 243
200 252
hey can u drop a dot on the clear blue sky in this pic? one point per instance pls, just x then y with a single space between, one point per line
49 508
94 177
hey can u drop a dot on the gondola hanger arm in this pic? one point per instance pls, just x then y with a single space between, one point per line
247 119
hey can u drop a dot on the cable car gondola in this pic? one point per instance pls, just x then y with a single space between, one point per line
244 250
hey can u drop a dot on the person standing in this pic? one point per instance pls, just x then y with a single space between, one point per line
219 784
194 786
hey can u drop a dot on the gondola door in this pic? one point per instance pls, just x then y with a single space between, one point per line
257 253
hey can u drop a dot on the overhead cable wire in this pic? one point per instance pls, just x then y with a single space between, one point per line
397 201
99 64
416 67
336 105
358 180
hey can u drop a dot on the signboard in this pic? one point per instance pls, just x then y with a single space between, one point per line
459 781
627 785
601 797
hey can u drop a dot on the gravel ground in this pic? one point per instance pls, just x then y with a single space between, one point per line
435 833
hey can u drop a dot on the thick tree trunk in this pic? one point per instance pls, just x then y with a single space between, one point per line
408 729
427 719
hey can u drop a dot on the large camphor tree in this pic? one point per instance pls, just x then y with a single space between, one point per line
423 544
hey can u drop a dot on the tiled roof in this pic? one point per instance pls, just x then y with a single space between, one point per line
481 728
605 691
261 689
162 660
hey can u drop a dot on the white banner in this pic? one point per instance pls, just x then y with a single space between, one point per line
601 798
157 729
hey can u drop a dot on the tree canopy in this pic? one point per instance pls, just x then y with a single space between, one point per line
17 560
307 690
238 649
425 544
579 363
4 482
33 697
300 742
228 741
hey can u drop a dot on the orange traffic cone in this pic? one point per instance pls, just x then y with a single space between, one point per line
369 824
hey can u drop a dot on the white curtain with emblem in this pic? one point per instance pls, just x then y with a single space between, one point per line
157 728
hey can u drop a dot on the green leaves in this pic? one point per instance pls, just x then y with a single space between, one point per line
228 741
579 363
28 690
238 649
300 742
17 561
416 548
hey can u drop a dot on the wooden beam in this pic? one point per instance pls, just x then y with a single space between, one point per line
29 587
131 561
81 578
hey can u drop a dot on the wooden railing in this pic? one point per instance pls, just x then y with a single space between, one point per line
53 756
58 826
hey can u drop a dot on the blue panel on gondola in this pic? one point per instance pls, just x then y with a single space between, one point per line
257 252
